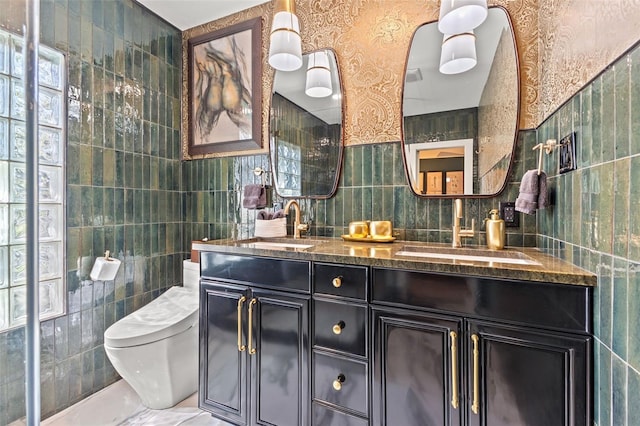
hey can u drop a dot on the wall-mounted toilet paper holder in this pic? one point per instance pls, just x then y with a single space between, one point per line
105 268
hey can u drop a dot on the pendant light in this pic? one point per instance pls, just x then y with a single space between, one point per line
318 75
459 16
285 45
458 53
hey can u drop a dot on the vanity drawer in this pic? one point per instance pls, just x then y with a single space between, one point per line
324 416
340 280
340 381
340 326
281 274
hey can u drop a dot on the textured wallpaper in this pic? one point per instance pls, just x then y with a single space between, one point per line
371 39
496 118
578 39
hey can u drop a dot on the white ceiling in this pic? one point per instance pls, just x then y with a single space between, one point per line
185 14
439 92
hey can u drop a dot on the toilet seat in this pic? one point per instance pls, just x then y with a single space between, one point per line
173 312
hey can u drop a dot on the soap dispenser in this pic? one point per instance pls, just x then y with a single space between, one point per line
495 230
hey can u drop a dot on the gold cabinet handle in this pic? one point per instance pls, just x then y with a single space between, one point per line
337 282
475 407
337 383
241 347
454 369
252 350
337 328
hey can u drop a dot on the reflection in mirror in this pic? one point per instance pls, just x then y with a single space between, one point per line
306 131
459 130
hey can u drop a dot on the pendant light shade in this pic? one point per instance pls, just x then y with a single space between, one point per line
458 53
285 45
459 16
318 75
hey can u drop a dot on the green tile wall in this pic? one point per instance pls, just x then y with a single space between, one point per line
594 224
372 186
123 187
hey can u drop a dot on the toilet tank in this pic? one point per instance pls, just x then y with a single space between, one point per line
191 274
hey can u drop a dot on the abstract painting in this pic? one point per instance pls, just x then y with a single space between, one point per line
225 97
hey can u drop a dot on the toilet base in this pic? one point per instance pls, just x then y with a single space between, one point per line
162 373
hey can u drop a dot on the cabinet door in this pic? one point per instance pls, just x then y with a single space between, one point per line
519 376
416 369
223 365
280 365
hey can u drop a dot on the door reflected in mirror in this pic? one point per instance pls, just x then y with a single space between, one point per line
306 128
459 130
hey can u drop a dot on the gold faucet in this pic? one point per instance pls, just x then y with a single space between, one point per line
297 226
458 232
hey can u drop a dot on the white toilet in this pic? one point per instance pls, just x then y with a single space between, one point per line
155 349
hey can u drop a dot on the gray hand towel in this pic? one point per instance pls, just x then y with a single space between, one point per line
255 197
264 215
278 214
527 201
543 196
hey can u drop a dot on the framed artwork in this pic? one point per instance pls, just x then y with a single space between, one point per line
225 89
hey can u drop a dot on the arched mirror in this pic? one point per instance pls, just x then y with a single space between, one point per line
459 130
306 128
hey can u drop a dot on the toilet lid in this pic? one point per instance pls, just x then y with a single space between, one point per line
171 313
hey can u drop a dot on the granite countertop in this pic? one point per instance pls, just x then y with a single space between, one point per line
539 267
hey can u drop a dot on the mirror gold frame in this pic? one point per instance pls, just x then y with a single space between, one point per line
456 181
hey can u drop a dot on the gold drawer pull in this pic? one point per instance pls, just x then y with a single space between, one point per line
252 350
241 347
454 369
337 282
337 328
475 407
337 383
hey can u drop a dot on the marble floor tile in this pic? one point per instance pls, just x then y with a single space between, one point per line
119 405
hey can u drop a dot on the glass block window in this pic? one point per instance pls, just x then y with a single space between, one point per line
13 181
289 169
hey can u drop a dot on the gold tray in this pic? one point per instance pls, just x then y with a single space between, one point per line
370 239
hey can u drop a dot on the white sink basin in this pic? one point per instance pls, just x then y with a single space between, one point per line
276 245
508 257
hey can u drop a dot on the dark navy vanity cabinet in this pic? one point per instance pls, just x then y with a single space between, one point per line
294 342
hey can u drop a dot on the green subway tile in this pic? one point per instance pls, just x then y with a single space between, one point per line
619 391
98 47
634 94
61 32
399 207
129 179
605 288
622 111
634 316
119 205
388 208
367 203
347 203
108 167
602 182
109 129
377 206
96 168
108 206
410 208
356 204
97 205
620 308
596 121
621 207
73 247
86 34
129 206
633 389
99 247
585 129
574 207
605 386
608 115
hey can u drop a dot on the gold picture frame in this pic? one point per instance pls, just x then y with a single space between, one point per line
225 89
